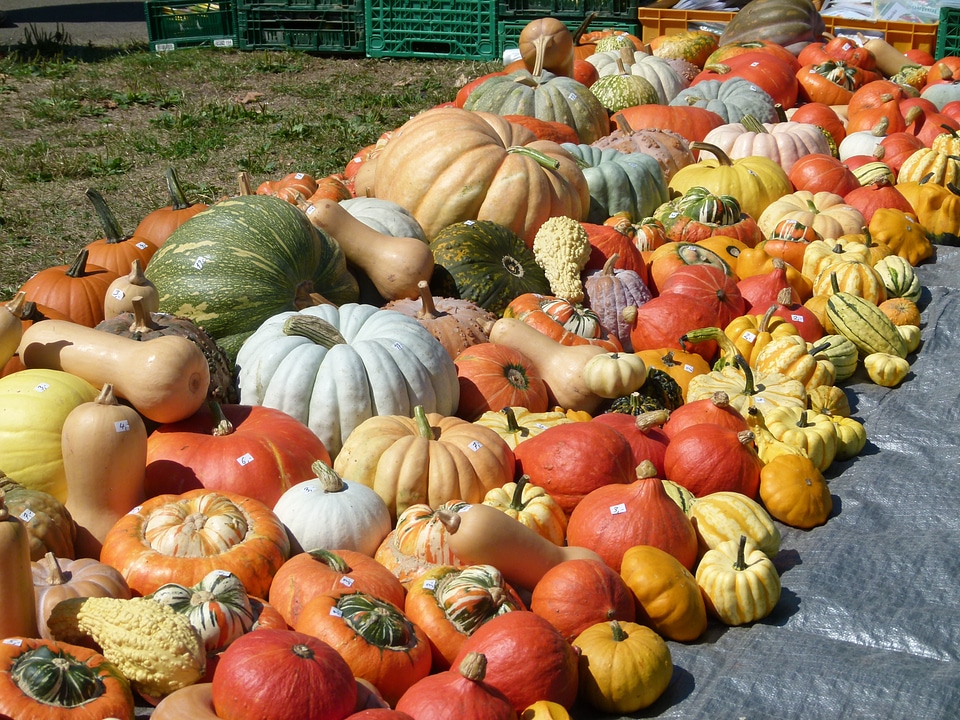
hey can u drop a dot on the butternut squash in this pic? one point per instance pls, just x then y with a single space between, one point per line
561 366
11 329
104 460
889 59
165 378
483 535
18 614
119 296
393 264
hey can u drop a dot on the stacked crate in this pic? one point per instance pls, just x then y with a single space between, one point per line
450 29
514 15
175 25
321 26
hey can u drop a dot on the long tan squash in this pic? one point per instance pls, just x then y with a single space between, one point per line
889 59
11 329
561 366
165 378
104 460
18 611
483 535
394 264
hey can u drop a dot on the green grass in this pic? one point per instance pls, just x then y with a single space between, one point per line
116 119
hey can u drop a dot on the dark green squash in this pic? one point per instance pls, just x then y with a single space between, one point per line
486 263
658 392
245 259
791 23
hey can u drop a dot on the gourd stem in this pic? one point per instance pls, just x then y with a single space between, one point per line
720 399
223 426
819 348
619 634
329 480
721 156
473 667
802 420
428 311
727 348
785 298
516 502
313 328
424 429
622 124
753 125
330 559
512 424
646 469
542 158
540 48
651 419
749 388
449 519
16 304
741 562
244 186
108 221
55 574
106 396
177 199
579 32
142 320
136 276
746 437
79 267
609 265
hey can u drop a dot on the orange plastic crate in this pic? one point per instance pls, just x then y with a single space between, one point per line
902 35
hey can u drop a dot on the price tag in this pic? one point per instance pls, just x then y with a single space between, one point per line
27 515
752 172
198 263
749 336
430 584
117 294
245 459
797 318
397 346
572 96
141 245
336 612
759 399
121 426
222 573
618 509
347 581
309 488
476 446
137 509
357 160
689 368
298 176
42 387
469 222
673 215
542 426
754 64
16 642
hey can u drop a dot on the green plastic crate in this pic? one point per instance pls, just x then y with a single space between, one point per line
347 6
531 9
508 31
315 29
948 32
453 29
175 25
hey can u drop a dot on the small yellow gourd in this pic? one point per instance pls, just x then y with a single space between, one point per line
155 648
11 329
104 459
740 583
911 336
18 616
886 369
612 375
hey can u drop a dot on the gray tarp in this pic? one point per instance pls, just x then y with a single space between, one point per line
868 625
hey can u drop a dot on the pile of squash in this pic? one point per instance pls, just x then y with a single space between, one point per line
477 426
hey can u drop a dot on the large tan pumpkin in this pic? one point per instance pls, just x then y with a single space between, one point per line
448 165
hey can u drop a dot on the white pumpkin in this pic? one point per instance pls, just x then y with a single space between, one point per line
384 216
825 212
784 142
373 362
657 71
332 514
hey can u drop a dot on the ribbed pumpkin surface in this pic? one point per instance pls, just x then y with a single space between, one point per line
244 259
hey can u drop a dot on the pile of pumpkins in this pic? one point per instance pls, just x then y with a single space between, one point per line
475 427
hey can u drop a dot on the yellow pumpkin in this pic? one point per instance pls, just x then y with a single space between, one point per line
853 276
532 506
937 211
726 515
851 436
739 582
516 424
825 212
752 333
815 434
828 400
745 387
821 254
612 375
624 666
796 358
545 710
886 369
794 492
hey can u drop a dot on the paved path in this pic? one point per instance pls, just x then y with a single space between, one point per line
86 22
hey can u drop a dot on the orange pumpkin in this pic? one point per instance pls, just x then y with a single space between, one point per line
76 290
794 491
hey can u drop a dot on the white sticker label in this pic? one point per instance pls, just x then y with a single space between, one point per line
16 642
673 215
397 346
309 488
336 612
245 459
618 509
469 222
476 446
117 294
689 368
42 387
357 160
754 64
542 426
135 510
198 263
121 426
141 245
222 573
298 176
27 515
572 96
347 581
223 42
749 336
430 584
797 318
759 399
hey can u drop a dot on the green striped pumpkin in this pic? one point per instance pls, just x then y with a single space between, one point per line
218 607
472 595
486 263
840 351
865 325
899 278
546 97
623 90
378 622
245 259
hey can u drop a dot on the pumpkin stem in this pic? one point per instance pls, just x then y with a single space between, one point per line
781 113
609 265
646 469
622 124
313 328
516 502
330 481
108 221
177 199
753 125
512 425
784 297
244 186
721 156
55 574
720 399
749 388
473 666
79 267
619 634
449 519
819 348
424 428
303 295
302 651
106 396
542 158
223 425
330 559
741 562
746 437
652 418
579 32
142 320
429 310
